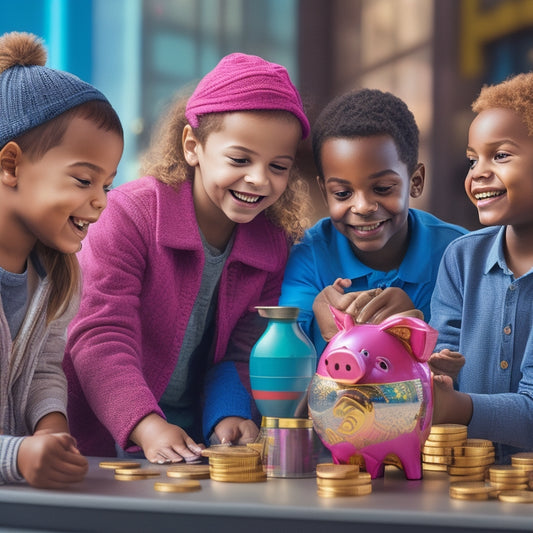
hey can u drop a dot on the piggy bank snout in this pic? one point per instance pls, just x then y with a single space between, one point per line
344 367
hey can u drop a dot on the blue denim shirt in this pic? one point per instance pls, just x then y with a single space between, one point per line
483 312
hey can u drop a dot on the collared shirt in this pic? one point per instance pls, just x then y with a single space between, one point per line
325 255
483 312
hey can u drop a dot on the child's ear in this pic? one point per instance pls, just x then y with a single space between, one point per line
9 159
190 146
417 181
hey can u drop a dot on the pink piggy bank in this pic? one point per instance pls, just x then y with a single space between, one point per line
372 392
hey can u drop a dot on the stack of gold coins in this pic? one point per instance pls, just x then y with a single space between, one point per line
524 461
188 471
183 485
234 464
508 477
135 474
113 465
437 450
472 490
342 480
470 461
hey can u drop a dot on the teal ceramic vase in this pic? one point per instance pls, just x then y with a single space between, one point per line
282 364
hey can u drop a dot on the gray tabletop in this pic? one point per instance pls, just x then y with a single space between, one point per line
101 503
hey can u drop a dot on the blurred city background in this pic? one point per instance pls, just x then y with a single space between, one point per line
434 54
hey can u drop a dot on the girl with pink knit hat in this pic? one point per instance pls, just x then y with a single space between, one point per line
157 358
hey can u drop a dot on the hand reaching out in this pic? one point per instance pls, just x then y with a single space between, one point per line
163 442
51 460
236 430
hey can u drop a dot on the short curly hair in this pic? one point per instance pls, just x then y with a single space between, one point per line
515 93
367 113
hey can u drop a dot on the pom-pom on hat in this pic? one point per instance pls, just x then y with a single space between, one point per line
242 82
30 93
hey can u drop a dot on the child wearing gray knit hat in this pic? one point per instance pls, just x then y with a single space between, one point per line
60 145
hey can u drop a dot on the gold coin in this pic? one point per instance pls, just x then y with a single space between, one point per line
508 486
479 443
516 496
448 428
506 471
472 461
186 485
240 478
477 497
444 441
360 490
469 477
472 451
436 459
189 471
137 472
124 477
522 460
334 471
431 467
225 451
363 479
112 465
466 470
471 487
437 450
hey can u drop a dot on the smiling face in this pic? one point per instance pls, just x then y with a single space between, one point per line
367 187
54 199
241 169
500 179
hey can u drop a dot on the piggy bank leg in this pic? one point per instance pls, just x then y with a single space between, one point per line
410 456
374 466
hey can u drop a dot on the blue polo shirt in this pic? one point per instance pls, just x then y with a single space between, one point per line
484 313
325 254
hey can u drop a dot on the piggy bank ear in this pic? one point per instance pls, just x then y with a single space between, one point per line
418 337
342 320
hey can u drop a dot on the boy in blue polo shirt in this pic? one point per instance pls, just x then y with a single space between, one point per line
482 303
373 256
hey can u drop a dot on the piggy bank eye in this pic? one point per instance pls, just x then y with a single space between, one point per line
365 353
383 364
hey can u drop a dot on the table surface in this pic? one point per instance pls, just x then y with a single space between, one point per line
101 503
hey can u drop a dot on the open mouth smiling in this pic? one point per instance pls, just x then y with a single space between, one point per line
247 198
82 225
369 227
488 194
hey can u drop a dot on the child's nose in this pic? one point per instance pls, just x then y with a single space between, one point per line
99 202
256 176
362 205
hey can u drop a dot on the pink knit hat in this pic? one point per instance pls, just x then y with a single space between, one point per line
242 82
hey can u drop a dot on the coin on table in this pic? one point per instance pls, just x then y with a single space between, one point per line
188 471
472 460
184 485
335 471
134 474
516 496
113 465
434 467
466 470
334 492
471 488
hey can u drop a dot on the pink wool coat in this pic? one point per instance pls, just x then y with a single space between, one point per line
142 266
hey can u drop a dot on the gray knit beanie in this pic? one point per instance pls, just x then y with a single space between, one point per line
30 93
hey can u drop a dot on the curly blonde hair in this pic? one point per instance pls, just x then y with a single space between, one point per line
165 161
515 93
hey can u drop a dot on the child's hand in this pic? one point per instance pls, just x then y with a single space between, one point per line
371 306
446 363
450 406
163 442
51 460
375 305
236 430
